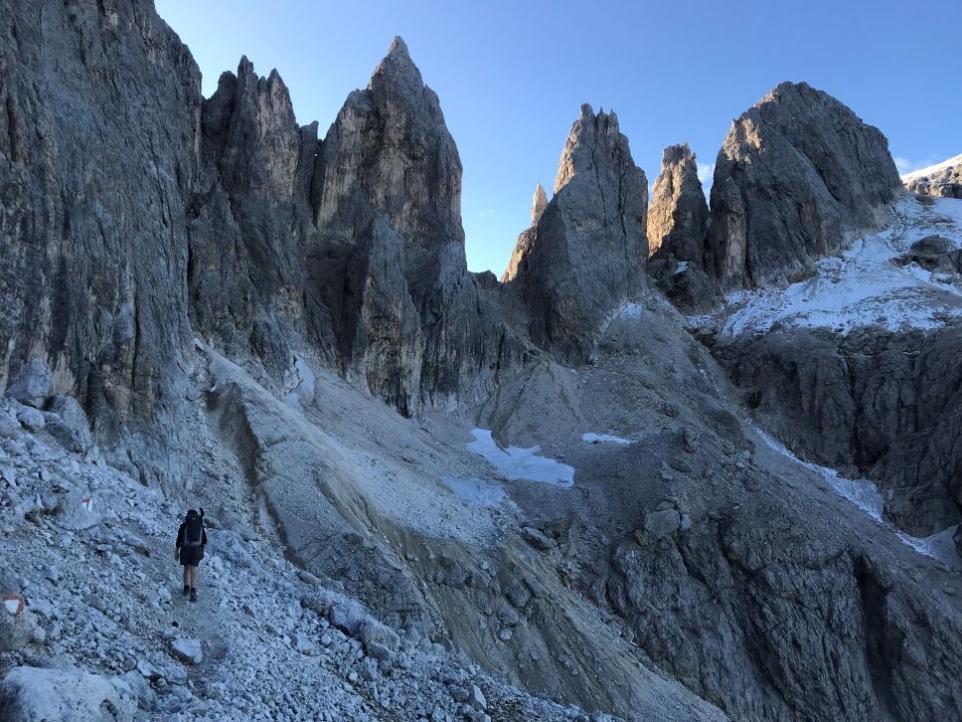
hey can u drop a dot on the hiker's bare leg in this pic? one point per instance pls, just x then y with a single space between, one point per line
186 576
193 577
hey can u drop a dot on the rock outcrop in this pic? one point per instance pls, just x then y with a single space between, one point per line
677 223
523 245
388 155
939 181
586 255
798 174
877 404
678 211
538 203
251 225
97 161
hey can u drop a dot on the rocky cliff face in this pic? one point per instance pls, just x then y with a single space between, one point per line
389 155
586 255
677 223
678 212
878 404
940 181
797 175
95 175
351 245
251 228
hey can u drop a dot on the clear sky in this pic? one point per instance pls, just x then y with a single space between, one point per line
511 75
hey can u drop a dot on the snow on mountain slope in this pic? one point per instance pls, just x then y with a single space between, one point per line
862 286
937 168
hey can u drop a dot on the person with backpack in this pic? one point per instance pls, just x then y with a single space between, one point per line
191 540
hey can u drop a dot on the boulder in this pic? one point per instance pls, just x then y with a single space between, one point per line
31 694
659 524
17 624
33 385
187 650
31 419
536 538
66 421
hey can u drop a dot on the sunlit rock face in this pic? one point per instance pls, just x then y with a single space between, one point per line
538 204
521 247
677 223
388 172
797 175
678 213
586 254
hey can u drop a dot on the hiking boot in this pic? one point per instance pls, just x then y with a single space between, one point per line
193 594
186 590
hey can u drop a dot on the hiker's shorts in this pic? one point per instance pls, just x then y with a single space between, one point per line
191 556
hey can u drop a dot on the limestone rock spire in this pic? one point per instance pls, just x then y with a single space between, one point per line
586 254
538 203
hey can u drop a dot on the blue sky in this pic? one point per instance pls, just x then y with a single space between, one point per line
511 75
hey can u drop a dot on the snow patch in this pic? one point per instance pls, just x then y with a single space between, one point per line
520 464
932 169
680 268
591 438
861 286
476 492
630 310
303 393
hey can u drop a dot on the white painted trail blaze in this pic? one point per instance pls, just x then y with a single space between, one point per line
520 464
591 438
865 495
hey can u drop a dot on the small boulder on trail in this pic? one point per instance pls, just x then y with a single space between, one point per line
31 694
33 385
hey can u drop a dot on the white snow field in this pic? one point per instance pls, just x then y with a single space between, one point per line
520 464
861 286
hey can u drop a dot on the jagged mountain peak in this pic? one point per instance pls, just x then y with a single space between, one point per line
397 70
676 154
592 136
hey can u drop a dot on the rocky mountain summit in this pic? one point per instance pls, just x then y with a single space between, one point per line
677 224
585 254
432 495
801 171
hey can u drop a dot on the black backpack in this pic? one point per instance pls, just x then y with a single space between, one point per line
194 529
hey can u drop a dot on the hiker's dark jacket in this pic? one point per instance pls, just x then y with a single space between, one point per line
182 532
190 555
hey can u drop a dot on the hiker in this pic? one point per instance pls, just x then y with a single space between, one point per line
191 540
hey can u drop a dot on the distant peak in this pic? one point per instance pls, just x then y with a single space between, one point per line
538 204
676 154
591 131
398 48
397 67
